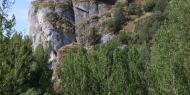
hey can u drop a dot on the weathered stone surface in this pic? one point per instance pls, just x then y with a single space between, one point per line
44 32
34 27
50 24
56 24
87 14
84 14
106 37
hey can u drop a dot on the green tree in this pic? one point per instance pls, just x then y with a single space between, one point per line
100 71
169 67
20 68
6 23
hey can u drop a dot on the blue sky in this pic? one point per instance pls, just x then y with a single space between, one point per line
20 10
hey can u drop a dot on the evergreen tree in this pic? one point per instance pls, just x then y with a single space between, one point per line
101 71
170 54
20 68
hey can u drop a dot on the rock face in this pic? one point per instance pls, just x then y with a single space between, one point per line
48 23
87 14
57 23
51 25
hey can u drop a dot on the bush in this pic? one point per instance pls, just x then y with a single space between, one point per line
118 15
155 5
161 5
149 5
93 36
146 28
135 9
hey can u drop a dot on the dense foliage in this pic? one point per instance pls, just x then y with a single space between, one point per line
100 71
152 60
21 69
170 54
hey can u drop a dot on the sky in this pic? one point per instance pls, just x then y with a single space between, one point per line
20 10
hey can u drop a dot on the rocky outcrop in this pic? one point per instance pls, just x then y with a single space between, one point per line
57 23
50 24
87 14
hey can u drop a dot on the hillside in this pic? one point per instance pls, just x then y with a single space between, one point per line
98 47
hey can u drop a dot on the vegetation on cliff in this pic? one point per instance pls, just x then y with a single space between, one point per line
153 59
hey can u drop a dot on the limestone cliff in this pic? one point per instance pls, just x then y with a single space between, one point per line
57 23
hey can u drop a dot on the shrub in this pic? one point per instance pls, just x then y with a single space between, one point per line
118 15
161 5
155 5
135 9
149 5
93 36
